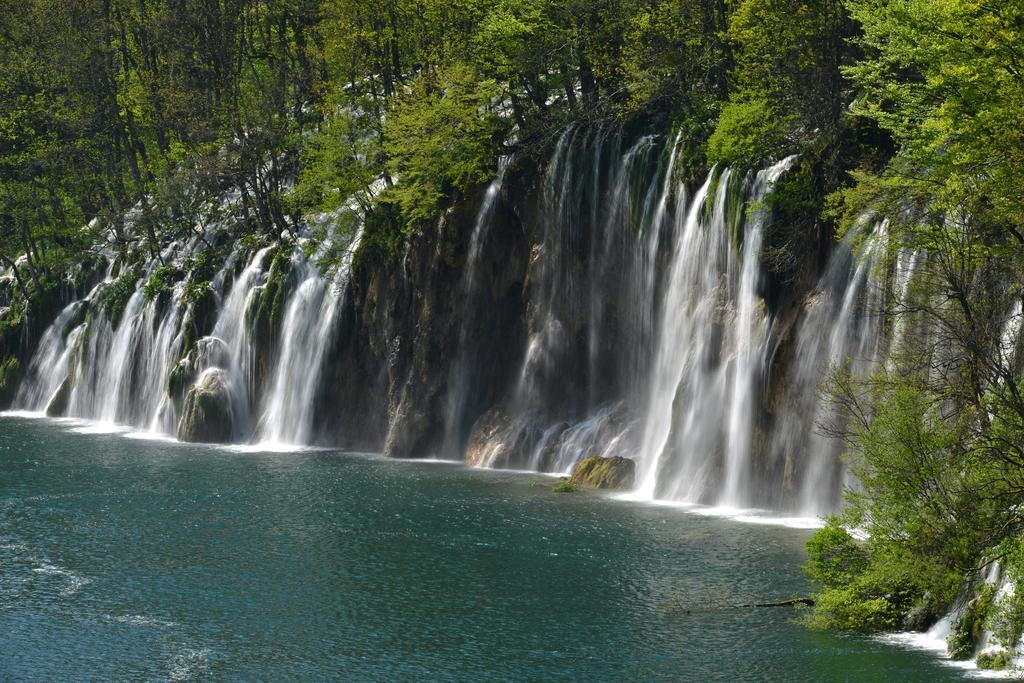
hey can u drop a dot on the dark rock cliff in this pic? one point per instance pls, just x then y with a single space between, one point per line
388 381
386 386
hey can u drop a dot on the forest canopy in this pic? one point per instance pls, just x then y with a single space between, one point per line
110 104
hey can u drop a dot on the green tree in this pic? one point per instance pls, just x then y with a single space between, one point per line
440 140
788 90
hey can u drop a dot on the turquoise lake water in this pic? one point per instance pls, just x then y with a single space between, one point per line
131 559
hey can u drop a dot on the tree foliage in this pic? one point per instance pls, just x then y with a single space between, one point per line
937 434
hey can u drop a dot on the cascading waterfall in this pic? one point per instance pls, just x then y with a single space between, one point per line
647 336
587 330
120 371
233 330
710 357
109 371
653 346
656 344
461 368
49 365
676 328
119 368
310 322
751 331
994 575
839 329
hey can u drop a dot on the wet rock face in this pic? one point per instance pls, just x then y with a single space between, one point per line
206 353
21 332
509 438
614 473
499 441
418 401
388 380
58 405
479 452
207 415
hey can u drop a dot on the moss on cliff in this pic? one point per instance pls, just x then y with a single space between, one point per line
265 308
596 472
116 295
10 374
963 639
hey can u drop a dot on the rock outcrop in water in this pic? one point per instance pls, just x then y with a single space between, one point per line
595 472
485 446
206 352
207 414
58 405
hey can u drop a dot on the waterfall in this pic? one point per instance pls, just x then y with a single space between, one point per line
234 329
839 329
587 328
711 352
49 365
683 318
120 367
649 337
310 322
459 374
120 372
751 329
647 333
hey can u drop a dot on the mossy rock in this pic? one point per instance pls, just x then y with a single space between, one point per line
201 316
266 312
994 661
487 431
89 271
204 308
564 486
178 381
925 612
10 376
967 630
161 281
10 369
207 416
383 235
11 324
596 472
205 353
114 298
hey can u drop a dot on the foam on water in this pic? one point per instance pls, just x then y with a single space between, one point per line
934 641
103 428
140 620
24 414
149 436
744 515
269 447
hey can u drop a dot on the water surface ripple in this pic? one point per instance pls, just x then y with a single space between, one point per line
127 559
